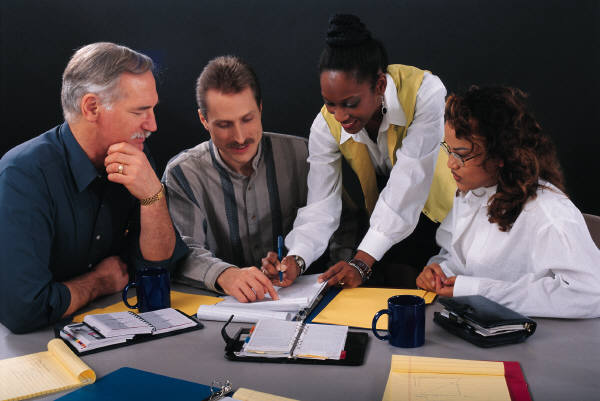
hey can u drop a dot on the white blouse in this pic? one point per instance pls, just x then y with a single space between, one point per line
397 210
546 265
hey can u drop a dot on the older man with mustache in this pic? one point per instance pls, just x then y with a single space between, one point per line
81 204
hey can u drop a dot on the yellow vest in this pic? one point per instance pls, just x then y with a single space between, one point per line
441 194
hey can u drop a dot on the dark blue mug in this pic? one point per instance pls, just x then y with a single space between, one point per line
406 321
153 290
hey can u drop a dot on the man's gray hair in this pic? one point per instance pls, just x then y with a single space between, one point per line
96 68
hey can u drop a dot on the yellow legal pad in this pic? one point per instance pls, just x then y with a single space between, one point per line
244 394
356 307
187 303
43 373
421 378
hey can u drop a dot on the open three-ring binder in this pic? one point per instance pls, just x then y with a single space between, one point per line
296 342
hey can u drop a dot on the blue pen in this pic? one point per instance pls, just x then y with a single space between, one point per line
280 254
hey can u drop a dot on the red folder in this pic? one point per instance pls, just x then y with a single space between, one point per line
517 386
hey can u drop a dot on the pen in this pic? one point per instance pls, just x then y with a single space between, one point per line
280 254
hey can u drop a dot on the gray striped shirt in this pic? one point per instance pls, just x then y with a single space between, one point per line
228 219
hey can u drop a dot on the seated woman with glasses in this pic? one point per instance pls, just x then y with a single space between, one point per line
512 235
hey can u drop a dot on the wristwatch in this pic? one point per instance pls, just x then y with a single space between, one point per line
300 263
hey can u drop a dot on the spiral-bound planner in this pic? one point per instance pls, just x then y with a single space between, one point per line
108 330
277 338
281 341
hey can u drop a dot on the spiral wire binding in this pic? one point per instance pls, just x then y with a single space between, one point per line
143 320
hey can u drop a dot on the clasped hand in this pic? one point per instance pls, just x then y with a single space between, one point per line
433 279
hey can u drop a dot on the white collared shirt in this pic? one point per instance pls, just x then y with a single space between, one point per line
397 210
546 265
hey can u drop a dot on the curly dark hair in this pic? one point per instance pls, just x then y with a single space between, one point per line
511 135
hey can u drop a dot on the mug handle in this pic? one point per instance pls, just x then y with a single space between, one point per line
127 287
374 325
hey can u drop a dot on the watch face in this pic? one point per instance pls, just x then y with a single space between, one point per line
300 263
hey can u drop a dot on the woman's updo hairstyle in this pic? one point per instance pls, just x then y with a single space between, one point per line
351 48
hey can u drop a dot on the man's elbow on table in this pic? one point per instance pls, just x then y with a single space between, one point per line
27 311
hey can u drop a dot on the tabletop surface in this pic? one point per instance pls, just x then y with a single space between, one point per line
561 361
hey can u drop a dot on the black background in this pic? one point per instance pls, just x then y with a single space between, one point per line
547 48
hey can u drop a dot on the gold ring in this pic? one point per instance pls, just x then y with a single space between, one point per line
120 169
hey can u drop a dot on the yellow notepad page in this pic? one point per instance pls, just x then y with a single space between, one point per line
244 394
356 306
43 373
187 303
421 378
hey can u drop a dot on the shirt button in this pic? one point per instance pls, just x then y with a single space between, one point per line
90 266
98 236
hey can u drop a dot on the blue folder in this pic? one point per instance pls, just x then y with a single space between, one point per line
134 384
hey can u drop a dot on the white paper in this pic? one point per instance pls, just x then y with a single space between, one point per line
241 315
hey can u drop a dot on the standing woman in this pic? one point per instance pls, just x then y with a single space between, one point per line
513 235
386 123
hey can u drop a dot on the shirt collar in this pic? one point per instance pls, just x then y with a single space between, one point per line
479 195
81 167
395 114
255 160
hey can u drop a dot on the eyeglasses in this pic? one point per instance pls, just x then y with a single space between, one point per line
459 158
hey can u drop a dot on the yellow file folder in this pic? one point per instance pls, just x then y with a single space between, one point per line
356 307
186 303
415 378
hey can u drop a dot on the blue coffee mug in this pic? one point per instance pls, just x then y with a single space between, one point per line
406 321
153 290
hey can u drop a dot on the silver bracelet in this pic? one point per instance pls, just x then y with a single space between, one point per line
363 269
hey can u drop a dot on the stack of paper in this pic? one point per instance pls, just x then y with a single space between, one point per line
292 300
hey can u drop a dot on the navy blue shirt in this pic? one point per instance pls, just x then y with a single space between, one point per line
59 217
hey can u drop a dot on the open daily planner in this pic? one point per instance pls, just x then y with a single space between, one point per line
43 373
298 297
278 338
105 329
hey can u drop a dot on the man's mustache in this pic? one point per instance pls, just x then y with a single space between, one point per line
236 145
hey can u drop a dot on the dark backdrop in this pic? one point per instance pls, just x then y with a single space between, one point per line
547 48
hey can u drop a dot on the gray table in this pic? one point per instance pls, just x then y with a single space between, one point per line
561 361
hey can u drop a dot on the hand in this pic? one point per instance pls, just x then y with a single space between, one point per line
107 277
246 284
427 279
136 175
446 287
289 267
340 273
111 275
